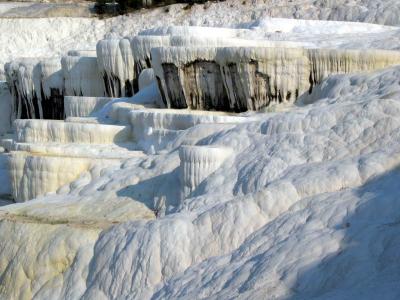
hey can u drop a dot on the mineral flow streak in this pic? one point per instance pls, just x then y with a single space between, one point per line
250 78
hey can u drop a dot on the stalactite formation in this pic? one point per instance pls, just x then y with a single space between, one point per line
49 86
195 67
116 66
36 86
19 75
6 104
141 47
252 77
82 76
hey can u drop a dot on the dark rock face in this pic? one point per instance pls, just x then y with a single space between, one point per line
205 91
53 106
264 91
174 86
112 85
114 88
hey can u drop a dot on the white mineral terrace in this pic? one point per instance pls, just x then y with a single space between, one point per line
256 160
35 175
76 106
197 163
38 131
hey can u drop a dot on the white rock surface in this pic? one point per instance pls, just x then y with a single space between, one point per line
76 106
336 145
82 76
146 78
47 131
35 175
116 65
306 207
197 163
49 86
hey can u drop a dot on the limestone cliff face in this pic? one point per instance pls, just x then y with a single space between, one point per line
250 78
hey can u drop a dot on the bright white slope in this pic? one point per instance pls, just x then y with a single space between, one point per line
301 202
307 205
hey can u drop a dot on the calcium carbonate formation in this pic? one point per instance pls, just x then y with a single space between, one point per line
76 106
83 52
201 73
116 66
154 129
5 187
141 48
250 78
19 76
33 175
82 76
45 131
36 86
195 31
200 68
49 87
197 163
146 78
